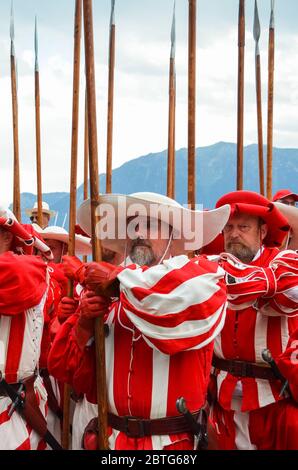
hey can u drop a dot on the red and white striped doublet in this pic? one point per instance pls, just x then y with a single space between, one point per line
23 290
159 346
262 313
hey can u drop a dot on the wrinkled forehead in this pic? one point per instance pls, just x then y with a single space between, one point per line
244 218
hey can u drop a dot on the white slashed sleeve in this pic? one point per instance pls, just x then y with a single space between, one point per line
178 305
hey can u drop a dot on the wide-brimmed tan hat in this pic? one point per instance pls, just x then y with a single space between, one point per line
83 245
45 209
291 214
118 208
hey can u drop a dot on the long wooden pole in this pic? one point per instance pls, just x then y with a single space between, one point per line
172 116
111 100
86 160
96 247
15 120
86 152
73 183
37 133
270 102
240 111
192 104
257 33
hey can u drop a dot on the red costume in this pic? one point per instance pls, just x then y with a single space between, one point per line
159 346
262 313
23 290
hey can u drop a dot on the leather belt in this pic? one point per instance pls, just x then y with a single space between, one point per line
243 369
137 427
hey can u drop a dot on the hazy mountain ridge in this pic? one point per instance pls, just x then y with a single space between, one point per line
215 175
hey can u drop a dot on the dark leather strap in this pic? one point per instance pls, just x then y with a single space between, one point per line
136 427
243 369
28 382
52 400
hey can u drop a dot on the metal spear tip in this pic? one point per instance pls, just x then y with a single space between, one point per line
173 33
257 27
266 355
181 405
272 15
112 21
36 45
12 23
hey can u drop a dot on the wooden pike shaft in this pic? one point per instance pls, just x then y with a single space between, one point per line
73 184
110 110
260 124
270 112
86 152
171 134
86 160
192 104
16 164
96 247
240 111
38 149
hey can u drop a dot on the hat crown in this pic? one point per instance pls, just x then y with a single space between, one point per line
44 206
155 198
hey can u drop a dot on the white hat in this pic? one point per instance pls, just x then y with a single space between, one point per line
291 214
45 209
82 247
210 223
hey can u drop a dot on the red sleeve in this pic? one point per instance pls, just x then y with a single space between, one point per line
22 282
288 364
70 364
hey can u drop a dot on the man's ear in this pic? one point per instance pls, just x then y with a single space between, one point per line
264 231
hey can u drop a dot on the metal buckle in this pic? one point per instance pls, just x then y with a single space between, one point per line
141 430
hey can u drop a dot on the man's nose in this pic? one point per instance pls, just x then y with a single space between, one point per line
141 231
234 233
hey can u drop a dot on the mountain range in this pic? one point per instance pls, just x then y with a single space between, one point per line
215 176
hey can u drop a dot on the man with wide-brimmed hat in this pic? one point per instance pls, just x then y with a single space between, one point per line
161 329
46 214
262 286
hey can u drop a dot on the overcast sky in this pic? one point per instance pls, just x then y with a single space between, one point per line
141 80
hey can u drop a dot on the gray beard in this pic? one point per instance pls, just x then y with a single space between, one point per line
243 253
142 255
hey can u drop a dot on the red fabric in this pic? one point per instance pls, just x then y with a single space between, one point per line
282 193
57 289
274 427
288 364
216 247
149 363
73 268
254 323
22 282
249 202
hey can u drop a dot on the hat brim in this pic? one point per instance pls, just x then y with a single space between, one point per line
291 214
30 212
82 246
210 223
